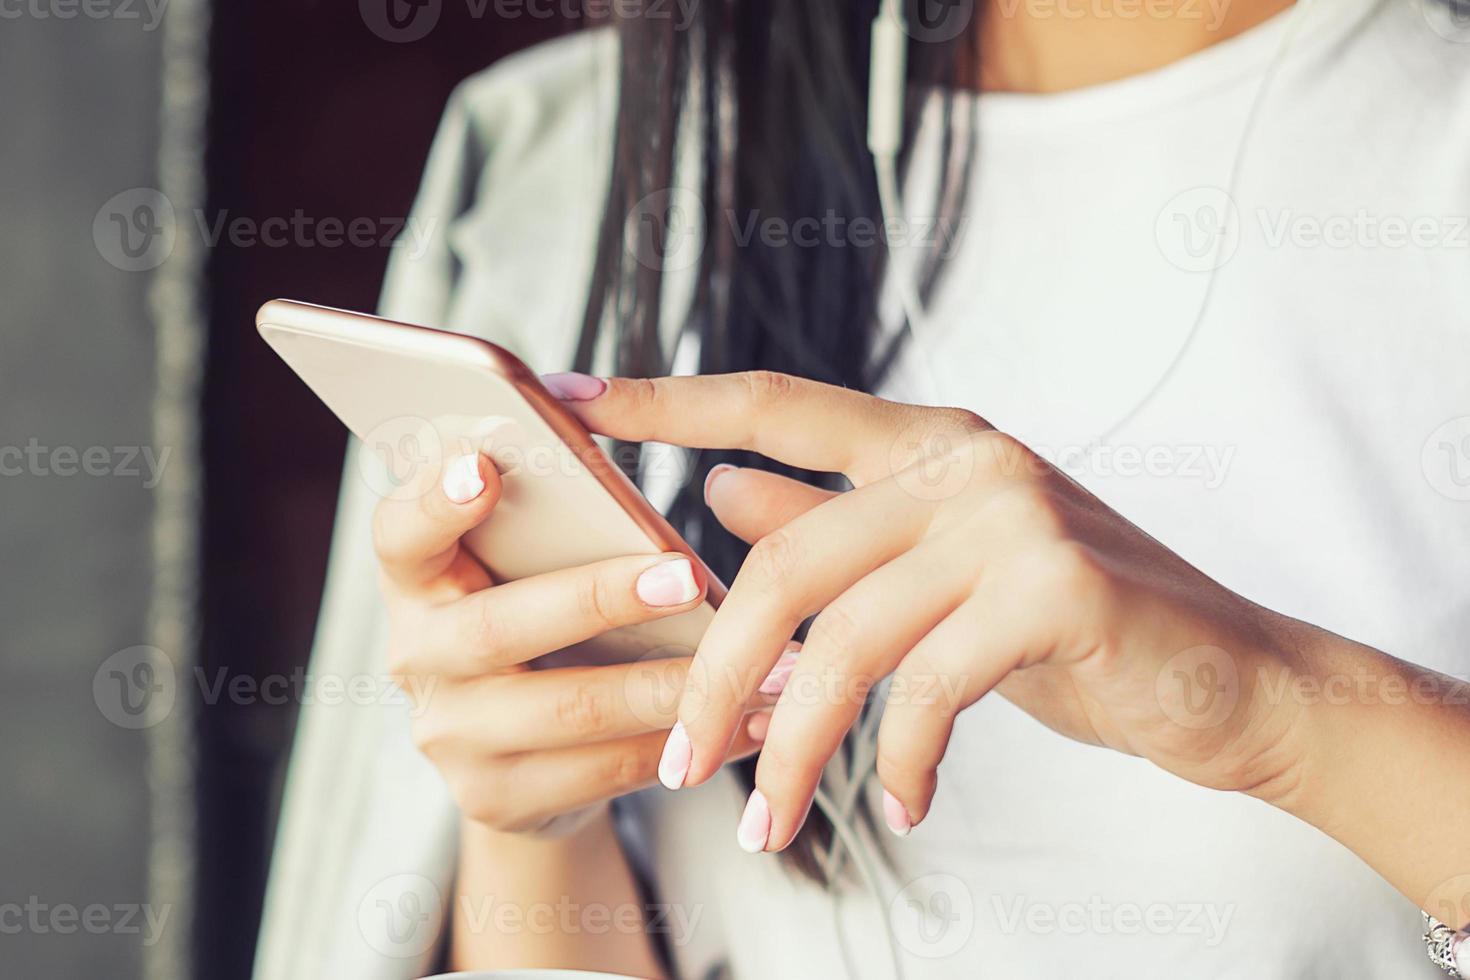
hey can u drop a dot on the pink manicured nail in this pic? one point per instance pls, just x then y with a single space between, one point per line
758 725
462 482
755 824
570 386
715 474
669 583
895 815
673 765
775 681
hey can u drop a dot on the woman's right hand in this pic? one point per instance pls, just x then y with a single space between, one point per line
521 747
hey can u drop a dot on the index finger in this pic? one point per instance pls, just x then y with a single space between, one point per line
793 420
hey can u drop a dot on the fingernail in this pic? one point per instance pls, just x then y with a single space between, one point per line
715 474
669 583
462 482
755 824
896 816
571 386
673 765
775 681
758 725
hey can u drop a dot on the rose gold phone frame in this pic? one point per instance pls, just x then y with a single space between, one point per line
369 370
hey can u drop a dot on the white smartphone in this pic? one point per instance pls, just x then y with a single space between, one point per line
418 397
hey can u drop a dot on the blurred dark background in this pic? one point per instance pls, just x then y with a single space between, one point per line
309 111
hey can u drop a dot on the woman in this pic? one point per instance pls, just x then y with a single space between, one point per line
1194 280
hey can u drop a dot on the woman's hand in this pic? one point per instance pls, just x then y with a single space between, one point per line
959 563
521 747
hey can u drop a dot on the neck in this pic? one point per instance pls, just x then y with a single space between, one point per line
1056 45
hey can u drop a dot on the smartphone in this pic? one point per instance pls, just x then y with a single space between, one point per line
419 397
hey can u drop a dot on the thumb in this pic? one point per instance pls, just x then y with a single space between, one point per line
752 503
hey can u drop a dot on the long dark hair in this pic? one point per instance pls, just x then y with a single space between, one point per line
776 91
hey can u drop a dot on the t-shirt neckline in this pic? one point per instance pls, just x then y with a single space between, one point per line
1217 66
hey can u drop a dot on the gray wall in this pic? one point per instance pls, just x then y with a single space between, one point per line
78 124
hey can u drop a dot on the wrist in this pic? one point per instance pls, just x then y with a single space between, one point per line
1290 735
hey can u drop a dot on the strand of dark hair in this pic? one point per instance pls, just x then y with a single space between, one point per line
782 115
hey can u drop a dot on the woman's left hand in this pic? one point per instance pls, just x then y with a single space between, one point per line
960 562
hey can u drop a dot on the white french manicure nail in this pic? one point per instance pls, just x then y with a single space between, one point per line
669 583
755 824
896 815
780 674
462 482
673 765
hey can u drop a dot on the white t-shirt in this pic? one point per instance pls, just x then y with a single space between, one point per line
1301 434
